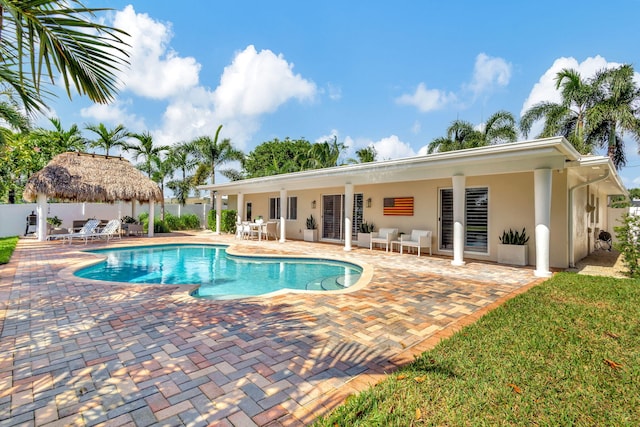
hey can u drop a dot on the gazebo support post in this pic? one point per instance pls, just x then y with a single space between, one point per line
152 205
41 211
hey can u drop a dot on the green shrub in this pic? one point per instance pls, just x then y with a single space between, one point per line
160 226
628 244
190 221
228 221
172 221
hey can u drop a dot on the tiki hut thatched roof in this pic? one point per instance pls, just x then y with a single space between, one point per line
91 178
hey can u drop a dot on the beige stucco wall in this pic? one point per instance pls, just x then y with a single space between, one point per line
511 205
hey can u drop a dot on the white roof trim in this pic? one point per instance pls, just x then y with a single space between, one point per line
503 158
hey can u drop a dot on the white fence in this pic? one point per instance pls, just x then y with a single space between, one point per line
13 218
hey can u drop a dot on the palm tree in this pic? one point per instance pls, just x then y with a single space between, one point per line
109 138
12 118
182 159
146 150
615 110
162 169
56 37
500 127
212 154
366 154
64 140
323 154
567 118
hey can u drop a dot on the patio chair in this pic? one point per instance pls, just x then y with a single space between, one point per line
111 230
85 232
245 230
417 239
383 236
271 229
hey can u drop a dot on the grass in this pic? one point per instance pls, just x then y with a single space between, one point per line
565 353
7 246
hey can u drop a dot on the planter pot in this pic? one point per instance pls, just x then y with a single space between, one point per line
364 240
513 254
311 235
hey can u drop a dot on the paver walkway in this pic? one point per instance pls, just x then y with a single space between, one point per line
74 352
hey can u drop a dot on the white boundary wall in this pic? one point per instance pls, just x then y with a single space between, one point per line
13 218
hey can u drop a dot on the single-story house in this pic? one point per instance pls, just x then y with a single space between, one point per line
467 198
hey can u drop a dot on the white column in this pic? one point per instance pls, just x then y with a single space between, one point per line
41 212
218 197
283 214
542 190
241 206
458 219
152 214
348 214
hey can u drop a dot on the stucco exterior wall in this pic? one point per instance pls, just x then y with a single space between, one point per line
511 205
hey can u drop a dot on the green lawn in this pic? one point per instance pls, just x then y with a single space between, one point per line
565 353
7 245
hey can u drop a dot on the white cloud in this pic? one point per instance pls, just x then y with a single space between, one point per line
427 99
257 83
335 92
156 71
392 148
114 113
489 72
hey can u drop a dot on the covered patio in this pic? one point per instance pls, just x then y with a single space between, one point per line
86 353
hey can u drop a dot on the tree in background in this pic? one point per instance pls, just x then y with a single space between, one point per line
212 153
591 112
322 155
567 118
275 157
499 128
615 111
108 138
64 140
144 148
364 155
182 159
56 37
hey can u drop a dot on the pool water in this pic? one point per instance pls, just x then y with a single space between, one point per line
219 274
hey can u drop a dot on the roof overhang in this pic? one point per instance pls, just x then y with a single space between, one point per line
553 153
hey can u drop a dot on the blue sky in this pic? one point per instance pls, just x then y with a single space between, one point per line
391 74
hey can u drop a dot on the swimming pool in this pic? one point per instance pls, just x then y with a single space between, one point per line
219 274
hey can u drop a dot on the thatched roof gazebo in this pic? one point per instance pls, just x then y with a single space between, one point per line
83 177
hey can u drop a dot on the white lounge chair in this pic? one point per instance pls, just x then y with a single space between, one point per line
111 230
420 239
384 236
86 232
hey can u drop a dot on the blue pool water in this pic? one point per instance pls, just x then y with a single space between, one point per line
219 274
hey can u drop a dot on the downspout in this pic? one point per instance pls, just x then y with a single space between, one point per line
572 255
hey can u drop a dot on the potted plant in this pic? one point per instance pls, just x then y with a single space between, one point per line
311 233
130 226
513 248
364 234
54 224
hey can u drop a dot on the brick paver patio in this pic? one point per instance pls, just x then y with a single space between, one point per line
74 352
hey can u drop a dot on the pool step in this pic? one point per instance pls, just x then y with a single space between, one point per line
327 284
